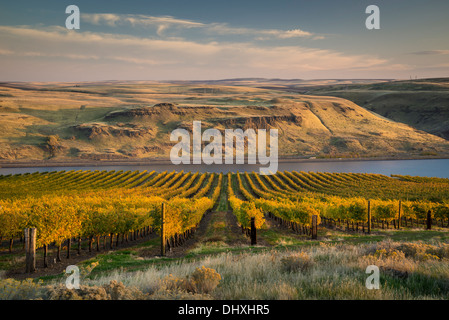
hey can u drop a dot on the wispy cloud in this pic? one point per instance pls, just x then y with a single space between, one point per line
33 54
431 52
164 23
119 56
112 19
6 52
262 34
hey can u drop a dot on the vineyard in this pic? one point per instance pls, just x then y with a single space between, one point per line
116 207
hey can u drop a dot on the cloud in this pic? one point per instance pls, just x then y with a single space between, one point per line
112 20
293 34
91 55
32 54
6 52
136 20
262 34
431 52
164 23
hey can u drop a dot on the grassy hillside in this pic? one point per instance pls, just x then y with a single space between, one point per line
423 104
119 120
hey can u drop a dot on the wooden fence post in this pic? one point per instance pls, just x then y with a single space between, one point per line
369 217
79 244
69 245
33 249
253 231
399 214
162 230
429 220
30 247
314 227
45 255
27 250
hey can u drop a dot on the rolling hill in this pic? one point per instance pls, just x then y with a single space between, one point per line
423 104
128 120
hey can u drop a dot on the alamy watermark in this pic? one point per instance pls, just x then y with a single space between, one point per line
189 149
73 20
73 280
373 20
372 282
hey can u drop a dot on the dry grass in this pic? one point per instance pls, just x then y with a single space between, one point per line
327 271
297 262
322 272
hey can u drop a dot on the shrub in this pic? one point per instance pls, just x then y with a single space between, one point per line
11 289
442 251
389 253
113 291
204 280
301 262
421 251
172 283
414 250
428 256
118 291
61 292
390 259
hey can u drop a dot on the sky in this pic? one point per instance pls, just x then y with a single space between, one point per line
211 40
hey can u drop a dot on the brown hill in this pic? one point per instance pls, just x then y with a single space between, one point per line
423 104
134 120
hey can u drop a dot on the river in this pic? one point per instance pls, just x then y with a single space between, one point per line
426 167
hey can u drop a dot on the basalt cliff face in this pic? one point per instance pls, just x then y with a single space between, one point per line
319 127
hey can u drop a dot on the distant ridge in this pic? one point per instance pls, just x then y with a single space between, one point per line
420 103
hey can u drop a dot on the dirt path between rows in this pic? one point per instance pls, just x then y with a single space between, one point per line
181 251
